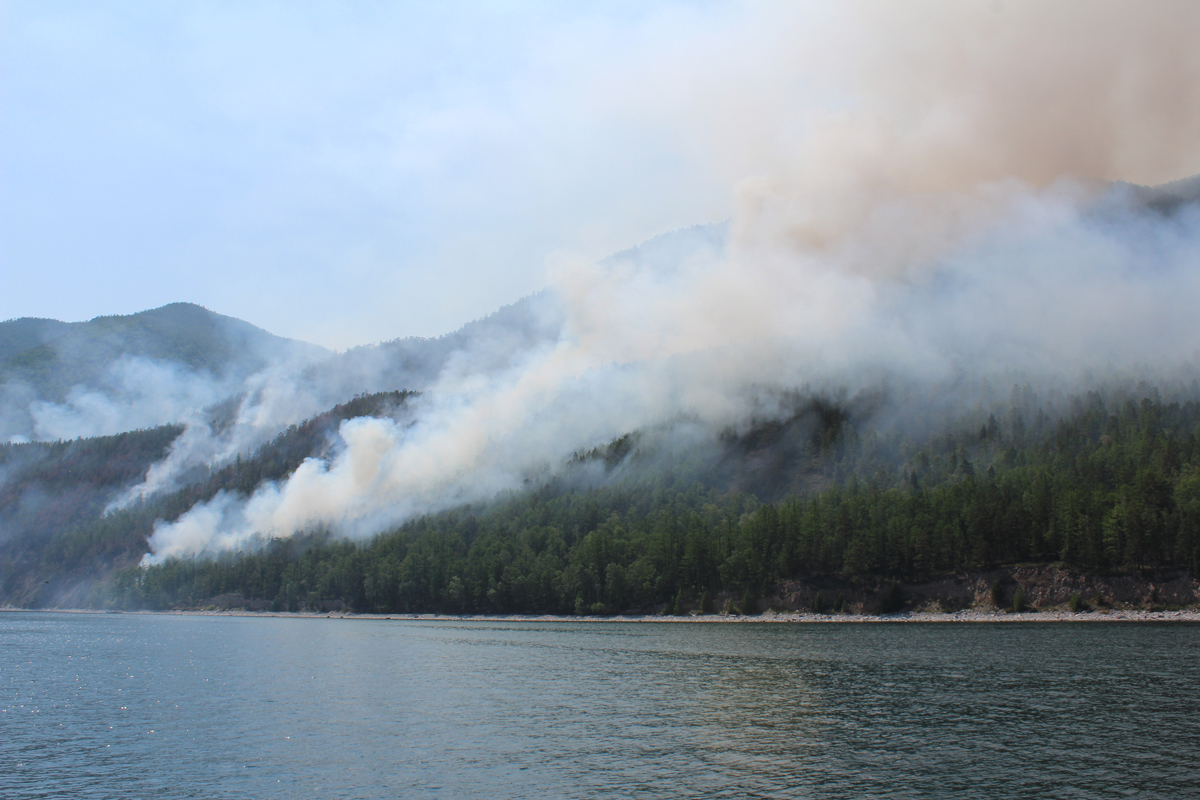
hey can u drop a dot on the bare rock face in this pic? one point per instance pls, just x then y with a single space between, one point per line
335 604
1052 586
1043 587
227 602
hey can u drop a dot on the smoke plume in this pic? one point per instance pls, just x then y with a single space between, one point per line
922 191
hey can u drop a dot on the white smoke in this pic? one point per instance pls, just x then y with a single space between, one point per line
267 401
135 393
940 211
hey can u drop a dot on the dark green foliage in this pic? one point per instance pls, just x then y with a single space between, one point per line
817 606
48 490
706 604
1077 603
840 606
1019 604
749 604
891 599
677 607
998 594
53 496
1109 485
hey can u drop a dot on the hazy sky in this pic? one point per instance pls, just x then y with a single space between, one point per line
358 171
337 172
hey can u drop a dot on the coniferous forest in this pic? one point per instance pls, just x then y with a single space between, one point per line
1109 483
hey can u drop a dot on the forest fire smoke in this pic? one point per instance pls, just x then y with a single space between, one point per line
921 191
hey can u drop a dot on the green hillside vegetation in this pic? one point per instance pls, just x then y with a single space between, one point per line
56 543
51 356
27 333
1112 484
47 489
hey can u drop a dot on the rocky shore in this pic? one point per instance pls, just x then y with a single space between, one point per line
1046 594
965 616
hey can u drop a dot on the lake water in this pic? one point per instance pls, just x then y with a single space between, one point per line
236 707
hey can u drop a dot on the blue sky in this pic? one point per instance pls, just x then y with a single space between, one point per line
337 172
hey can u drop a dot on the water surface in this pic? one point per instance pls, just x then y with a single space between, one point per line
234 707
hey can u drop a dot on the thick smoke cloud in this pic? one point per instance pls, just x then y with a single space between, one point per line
240 416
920 195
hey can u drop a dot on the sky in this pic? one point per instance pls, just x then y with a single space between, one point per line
345 173
341 173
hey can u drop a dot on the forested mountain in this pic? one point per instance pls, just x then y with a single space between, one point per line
56 541
43 361
51 356
1168 197
895 482
1112 484
198 358
48 490
498 341
481 347
27 333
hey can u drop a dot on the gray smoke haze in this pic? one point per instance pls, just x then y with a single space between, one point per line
921 196
134 393
62 380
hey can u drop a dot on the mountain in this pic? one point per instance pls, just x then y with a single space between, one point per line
1165 198
495 342
56 538
50 491
28 333
502 339
823 485
44 361
114 373
1102 497
51 356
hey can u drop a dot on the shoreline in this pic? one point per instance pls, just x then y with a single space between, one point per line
770 617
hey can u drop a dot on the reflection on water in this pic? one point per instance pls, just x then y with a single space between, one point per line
139 705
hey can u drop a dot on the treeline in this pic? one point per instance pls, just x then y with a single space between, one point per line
48 488
1106 485
53 530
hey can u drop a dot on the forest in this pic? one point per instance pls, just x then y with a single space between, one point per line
56 538
1111 482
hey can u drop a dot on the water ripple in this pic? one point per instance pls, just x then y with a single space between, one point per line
183 707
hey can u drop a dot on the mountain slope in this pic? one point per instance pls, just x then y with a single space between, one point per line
500 340
49 489
56 541
27 333
168 360
51 356
1111 487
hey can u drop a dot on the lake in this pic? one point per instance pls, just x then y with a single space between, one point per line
133 705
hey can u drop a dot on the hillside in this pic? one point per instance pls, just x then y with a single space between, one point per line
49 490
498 341
56 541
901 479
1111 487
43 360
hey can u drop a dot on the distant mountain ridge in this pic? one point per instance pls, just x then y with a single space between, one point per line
52 356
501 339
1010 486
44 362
